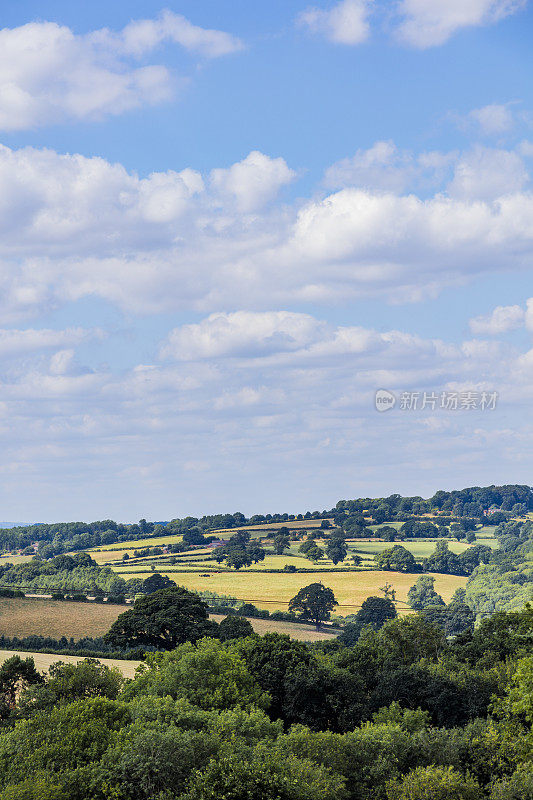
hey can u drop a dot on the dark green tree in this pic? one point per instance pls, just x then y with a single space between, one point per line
234 627
375 611
336 550
314 603
156 582
163 620
398 559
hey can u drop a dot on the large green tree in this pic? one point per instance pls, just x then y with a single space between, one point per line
314 603
163 620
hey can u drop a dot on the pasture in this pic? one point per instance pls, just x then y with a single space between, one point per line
274 590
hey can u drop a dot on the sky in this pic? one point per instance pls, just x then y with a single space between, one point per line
225 226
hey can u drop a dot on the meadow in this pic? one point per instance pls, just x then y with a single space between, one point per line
274 590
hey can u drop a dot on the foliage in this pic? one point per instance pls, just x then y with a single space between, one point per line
397 558
314 603
162 620
423 595
434 783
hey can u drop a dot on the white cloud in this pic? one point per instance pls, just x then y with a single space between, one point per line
487 173
492 120
346 22
73 227
428 23
142 36
501 320
253 181
255 397
19 342
384 167
243 334
48 74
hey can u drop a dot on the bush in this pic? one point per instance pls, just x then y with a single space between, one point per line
11 593
434 783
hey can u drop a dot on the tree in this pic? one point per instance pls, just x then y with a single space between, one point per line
265 776
314 602
271 659
208 674
423 595
234 627
16 674
313 552
163 619
387 533
434 783
156 582
193 536
336 550
398 559
375 611
69 682
443 560
281 541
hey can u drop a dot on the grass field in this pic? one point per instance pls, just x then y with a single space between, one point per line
43 661
27 616
420 549
274 590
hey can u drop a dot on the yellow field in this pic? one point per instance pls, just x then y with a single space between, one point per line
43 661
274 526
274 590
138 544
27 616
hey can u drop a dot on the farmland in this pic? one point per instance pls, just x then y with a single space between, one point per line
29 616
274 590
43 661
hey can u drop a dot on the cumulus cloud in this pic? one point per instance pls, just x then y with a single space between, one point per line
241 333
346 22
73 227
428 24
487 173
253 181
500 320
255 398
49 74
386 167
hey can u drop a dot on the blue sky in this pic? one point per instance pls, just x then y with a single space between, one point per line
227 224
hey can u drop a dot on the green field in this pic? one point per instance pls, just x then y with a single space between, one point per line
420 549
